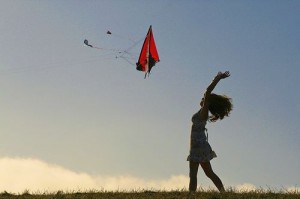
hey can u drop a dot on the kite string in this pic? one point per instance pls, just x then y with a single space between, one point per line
126 51
108 49
122 37
121 52
51 65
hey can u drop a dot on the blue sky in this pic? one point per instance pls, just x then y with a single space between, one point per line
88 112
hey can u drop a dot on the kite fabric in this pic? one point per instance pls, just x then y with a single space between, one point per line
149 55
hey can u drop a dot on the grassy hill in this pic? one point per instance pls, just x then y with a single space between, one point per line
154 195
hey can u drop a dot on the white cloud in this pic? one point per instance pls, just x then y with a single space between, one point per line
19 174
248 187
136 183
245 187
293 189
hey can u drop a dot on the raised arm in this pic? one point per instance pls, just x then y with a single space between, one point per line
209 89
215 81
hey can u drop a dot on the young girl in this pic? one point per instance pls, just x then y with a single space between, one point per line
200 151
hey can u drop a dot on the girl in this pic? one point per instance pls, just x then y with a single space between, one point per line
200 151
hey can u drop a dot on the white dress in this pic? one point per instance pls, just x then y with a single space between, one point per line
200 150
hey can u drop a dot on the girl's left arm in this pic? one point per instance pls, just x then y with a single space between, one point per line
209 89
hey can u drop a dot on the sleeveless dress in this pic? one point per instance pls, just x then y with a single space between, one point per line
200 150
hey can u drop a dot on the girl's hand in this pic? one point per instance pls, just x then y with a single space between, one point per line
215 81
223 75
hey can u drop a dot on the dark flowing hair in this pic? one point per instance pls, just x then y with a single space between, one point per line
219 106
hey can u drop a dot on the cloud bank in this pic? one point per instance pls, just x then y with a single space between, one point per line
20 174
246 187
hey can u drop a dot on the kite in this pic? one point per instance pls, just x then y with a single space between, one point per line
149 55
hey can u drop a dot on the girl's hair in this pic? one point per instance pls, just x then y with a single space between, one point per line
219 106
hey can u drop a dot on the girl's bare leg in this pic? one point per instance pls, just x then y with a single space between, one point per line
206 166
193 176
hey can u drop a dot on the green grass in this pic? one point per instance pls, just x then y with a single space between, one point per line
259 194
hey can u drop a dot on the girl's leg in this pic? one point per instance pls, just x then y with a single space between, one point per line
206 166
193 175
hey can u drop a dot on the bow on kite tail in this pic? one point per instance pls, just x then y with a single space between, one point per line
86 42
149 55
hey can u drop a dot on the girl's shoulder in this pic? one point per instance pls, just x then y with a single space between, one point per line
196 118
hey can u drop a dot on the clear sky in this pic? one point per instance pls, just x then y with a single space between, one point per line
70 110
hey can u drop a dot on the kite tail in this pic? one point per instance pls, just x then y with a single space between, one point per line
147 74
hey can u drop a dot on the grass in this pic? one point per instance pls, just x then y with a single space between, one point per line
258 194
